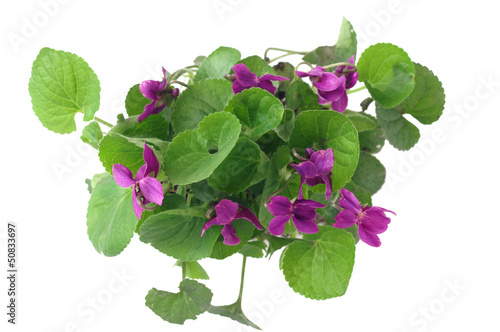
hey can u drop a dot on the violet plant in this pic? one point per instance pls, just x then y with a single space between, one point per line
235 155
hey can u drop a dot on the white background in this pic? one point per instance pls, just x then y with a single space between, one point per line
444 191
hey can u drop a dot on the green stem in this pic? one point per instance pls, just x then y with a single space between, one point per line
178 82
240 295
188 199
340 64
279 57
356 90
289 52
183 266
107 124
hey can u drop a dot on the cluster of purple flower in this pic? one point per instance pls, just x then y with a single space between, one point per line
316 168
332 86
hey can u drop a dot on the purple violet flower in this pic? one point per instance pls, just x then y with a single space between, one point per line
245 79
316 169
331 88
371 220
154 90
227 212
302 212
351 77
146 187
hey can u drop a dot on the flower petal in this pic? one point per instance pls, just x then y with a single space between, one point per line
368 238
244 76
277 224
247 214
270 77
349 201
123 176
152 189
151 161
309 152
328 82
374 220
137 208
327 180
303 212
237 87
141 173
302 73
150 89
229 234
309 202
351 80
305 226
340 105
314 181
208 224
345 219
306 169
268 86
323 159
226 211
333 95
150 109
164 81
280 206
317 71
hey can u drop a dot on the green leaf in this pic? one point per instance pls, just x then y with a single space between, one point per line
275 179
328 129
244 166
198 100
276 175
61 85
258 66
258 111
199 59
194 270
372 141
135 101
217 64
345 47
244 230
254 249
284 129
170 202
388 73
193 299
177 233
270 142
234 312
194 154
401 133
361 121
204 192
111 220
91 183
363 195
92 134
300 97
370 173
154 126
426 102
320 269
118 149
